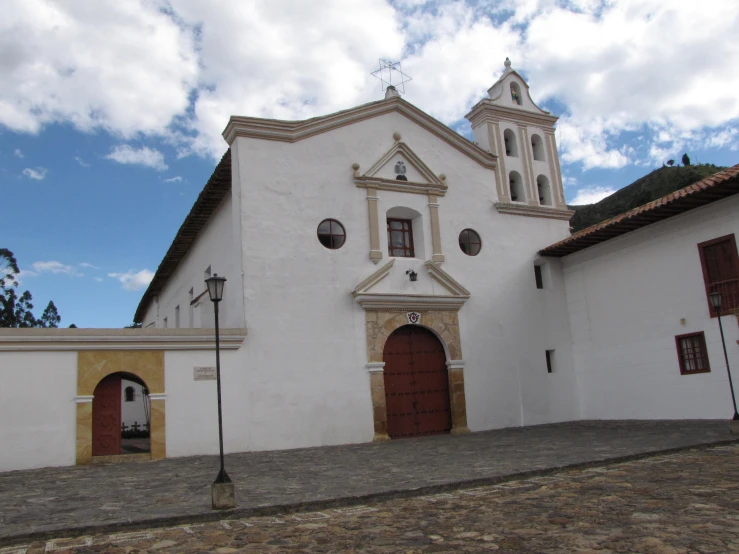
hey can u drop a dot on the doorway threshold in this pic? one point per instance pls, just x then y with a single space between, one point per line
121 458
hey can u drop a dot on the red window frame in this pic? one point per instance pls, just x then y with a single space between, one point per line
692 353
407 231
728 284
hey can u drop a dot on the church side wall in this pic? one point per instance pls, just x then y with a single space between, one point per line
214 247
37 408
627 298
306 350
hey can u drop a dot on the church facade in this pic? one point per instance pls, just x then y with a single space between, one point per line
389 278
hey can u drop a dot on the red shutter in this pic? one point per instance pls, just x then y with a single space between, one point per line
720 264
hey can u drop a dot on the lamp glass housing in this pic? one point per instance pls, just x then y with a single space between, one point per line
215 287
715 298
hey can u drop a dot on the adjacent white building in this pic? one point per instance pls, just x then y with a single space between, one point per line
389 278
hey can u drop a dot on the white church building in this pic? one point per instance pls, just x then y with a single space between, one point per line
389 278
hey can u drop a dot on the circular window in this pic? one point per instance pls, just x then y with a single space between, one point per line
469 242
331 234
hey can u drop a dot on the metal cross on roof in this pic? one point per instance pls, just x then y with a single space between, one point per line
391 75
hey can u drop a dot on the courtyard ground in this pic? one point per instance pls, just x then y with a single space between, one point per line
507 489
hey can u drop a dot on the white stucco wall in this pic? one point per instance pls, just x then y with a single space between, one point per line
626 299
132 412
213 248
306 347
37 409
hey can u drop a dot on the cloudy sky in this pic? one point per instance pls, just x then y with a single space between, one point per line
111 112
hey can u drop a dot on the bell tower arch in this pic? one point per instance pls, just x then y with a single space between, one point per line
511 126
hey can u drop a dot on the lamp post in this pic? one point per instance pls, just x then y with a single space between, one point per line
715 298
223 487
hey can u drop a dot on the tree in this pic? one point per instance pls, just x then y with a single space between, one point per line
16 311
670 162
686 160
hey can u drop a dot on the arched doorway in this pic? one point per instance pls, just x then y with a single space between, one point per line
120 416
416 383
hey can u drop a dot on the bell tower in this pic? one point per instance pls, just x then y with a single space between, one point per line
510 125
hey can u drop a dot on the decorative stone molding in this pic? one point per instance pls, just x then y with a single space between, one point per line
375 253
437 256
83 399
94 366
56 340
376 367
292 131
369 300
433 184
445 324
528 210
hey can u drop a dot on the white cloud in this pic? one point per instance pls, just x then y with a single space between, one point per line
165 67
126 67
149 157
177 179
591 195
88 265
134 280
18 153
56 268
39 174
82 162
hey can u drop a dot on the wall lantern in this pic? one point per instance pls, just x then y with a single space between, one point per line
412 274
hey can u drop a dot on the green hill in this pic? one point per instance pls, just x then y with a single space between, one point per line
658 183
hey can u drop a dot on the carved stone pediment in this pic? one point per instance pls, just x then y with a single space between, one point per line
441 291
400 169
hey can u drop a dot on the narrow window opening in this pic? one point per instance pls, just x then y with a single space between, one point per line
516 93
190 309
537 147
511 146
516 187
545 191
538 277
130 393
550 361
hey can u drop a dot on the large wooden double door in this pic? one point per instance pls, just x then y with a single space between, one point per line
106 417
416 384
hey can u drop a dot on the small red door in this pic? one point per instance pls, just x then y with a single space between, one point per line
416 383
106 417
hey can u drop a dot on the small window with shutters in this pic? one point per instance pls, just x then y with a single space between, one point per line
721 272
692 353
400 238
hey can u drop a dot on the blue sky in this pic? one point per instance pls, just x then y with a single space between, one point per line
111 112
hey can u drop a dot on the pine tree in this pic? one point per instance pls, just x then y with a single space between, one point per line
686 160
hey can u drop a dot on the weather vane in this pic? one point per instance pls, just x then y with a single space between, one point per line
391 75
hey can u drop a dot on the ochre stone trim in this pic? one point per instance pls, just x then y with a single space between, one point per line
93 366
437 256
445 324
374 225
534 211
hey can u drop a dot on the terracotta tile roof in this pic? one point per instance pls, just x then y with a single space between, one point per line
715 187
213 193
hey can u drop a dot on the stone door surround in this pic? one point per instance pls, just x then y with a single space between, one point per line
445 325
93 366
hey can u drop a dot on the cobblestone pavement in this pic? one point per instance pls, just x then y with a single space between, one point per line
679 503
56 502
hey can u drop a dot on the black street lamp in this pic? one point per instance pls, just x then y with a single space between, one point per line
715 298
223 487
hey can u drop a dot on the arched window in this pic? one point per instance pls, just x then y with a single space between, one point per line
516 187
511 146
537 145
130 394
545 191
516 93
